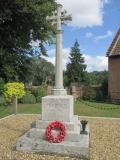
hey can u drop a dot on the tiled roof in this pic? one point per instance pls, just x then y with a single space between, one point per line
114 48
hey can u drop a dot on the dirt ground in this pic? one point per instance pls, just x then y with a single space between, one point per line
104 139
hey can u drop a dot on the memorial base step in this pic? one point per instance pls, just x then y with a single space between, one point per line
68 148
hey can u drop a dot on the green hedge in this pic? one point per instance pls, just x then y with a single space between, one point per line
1 86
28 99
39 93
2 101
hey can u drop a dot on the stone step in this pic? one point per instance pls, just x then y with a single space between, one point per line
76 119
36 133
43 125
70 126
80 149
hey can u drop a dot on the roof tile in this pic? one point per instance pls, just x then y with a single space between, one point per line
114 48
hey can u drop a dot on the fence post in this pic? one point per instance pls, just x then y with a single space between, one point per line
15 104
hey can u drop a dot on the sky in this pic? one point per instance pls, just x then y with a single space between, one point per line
94 25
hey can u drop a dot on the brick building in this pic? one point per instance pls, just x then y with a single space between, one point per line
113 54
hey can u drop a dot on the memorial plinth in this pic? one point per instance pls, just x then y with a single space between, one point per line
57 107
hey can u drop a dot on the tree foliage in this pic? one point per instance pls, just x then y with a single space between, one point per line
96 77
1 86
22 21
44 71
76 67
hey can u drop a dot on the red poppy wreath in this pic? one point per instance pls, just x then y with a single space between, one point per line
56 125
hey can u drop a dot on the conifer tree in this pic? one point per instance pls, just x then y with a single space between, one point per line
76 67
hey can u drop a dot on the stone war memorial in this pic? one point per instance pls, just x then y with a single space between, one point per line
59 131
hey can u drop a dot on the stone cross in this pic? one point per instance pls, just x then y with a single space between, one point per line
59 18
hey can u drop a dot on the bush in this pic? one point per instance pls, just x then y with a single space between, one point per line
90 96
39 93
104 89
99 96
14 88
39 99
1 86
86 97
2 101
28 99
94 95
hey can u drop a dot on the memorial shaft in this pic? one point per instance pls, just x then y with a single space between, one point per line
59 71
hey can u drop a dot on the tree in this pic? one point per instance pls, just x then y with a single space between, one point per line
26 72
65 79
76 67
22 21
16 67
44 71
96 77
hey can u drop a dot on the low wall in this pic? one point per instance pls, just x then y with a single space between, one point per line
78 91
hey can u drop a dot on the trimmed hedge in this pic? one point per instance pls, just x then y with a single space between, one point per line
39 93
28 99
2 101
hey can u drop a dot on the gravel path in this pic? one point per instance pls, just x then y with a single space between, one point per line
104 139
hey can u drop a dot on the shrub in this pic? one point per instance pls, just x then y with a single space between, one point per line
39 99
39 93
28 99
1 86
99 96
2 101
14 88
104 89
92 95
86 97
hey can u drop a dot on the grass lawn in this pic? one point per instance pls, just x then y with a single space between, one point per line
94 109
22 108
82 108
